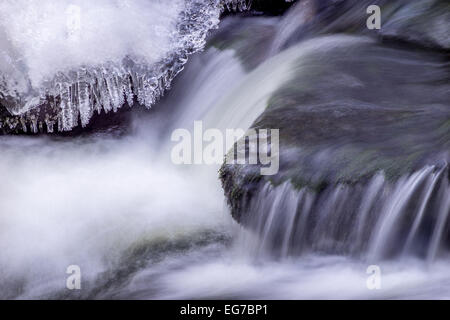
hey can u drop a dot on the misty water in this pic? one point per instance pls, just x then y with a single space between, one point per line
141 227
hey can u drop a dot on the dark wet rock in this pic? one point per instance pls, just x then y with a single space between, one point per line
352 111
272 7
266 7
251 39
379 105
421 23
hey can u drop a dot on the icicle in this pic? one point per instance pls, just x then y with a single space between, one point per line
49 123
84 101
72 96
24 125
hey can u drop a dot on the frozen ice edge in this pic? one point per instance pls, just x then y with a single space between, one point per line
72 98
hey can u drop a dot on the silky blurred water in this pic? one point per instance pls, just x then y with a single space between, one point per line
142 227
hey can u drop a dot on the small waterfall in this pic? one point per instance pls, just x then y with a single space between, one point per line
376 220
140 226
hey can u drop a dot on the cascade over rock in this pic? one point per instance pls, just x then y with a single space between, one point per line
361 120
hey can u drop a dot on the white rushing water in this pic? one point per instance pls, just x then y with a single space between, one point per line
87 201
110 205
95 198
141 227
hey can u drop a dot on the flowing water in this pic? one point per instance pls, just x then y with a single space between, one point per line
142 227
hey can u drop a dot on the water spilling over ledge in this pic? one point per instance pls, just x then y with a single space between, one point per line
364 160
373 221
364 137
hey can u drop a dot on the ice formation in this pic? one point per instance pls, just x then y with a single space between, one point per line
61 61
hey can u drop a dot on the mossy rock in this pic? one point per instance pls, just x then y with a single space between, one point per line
350 112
